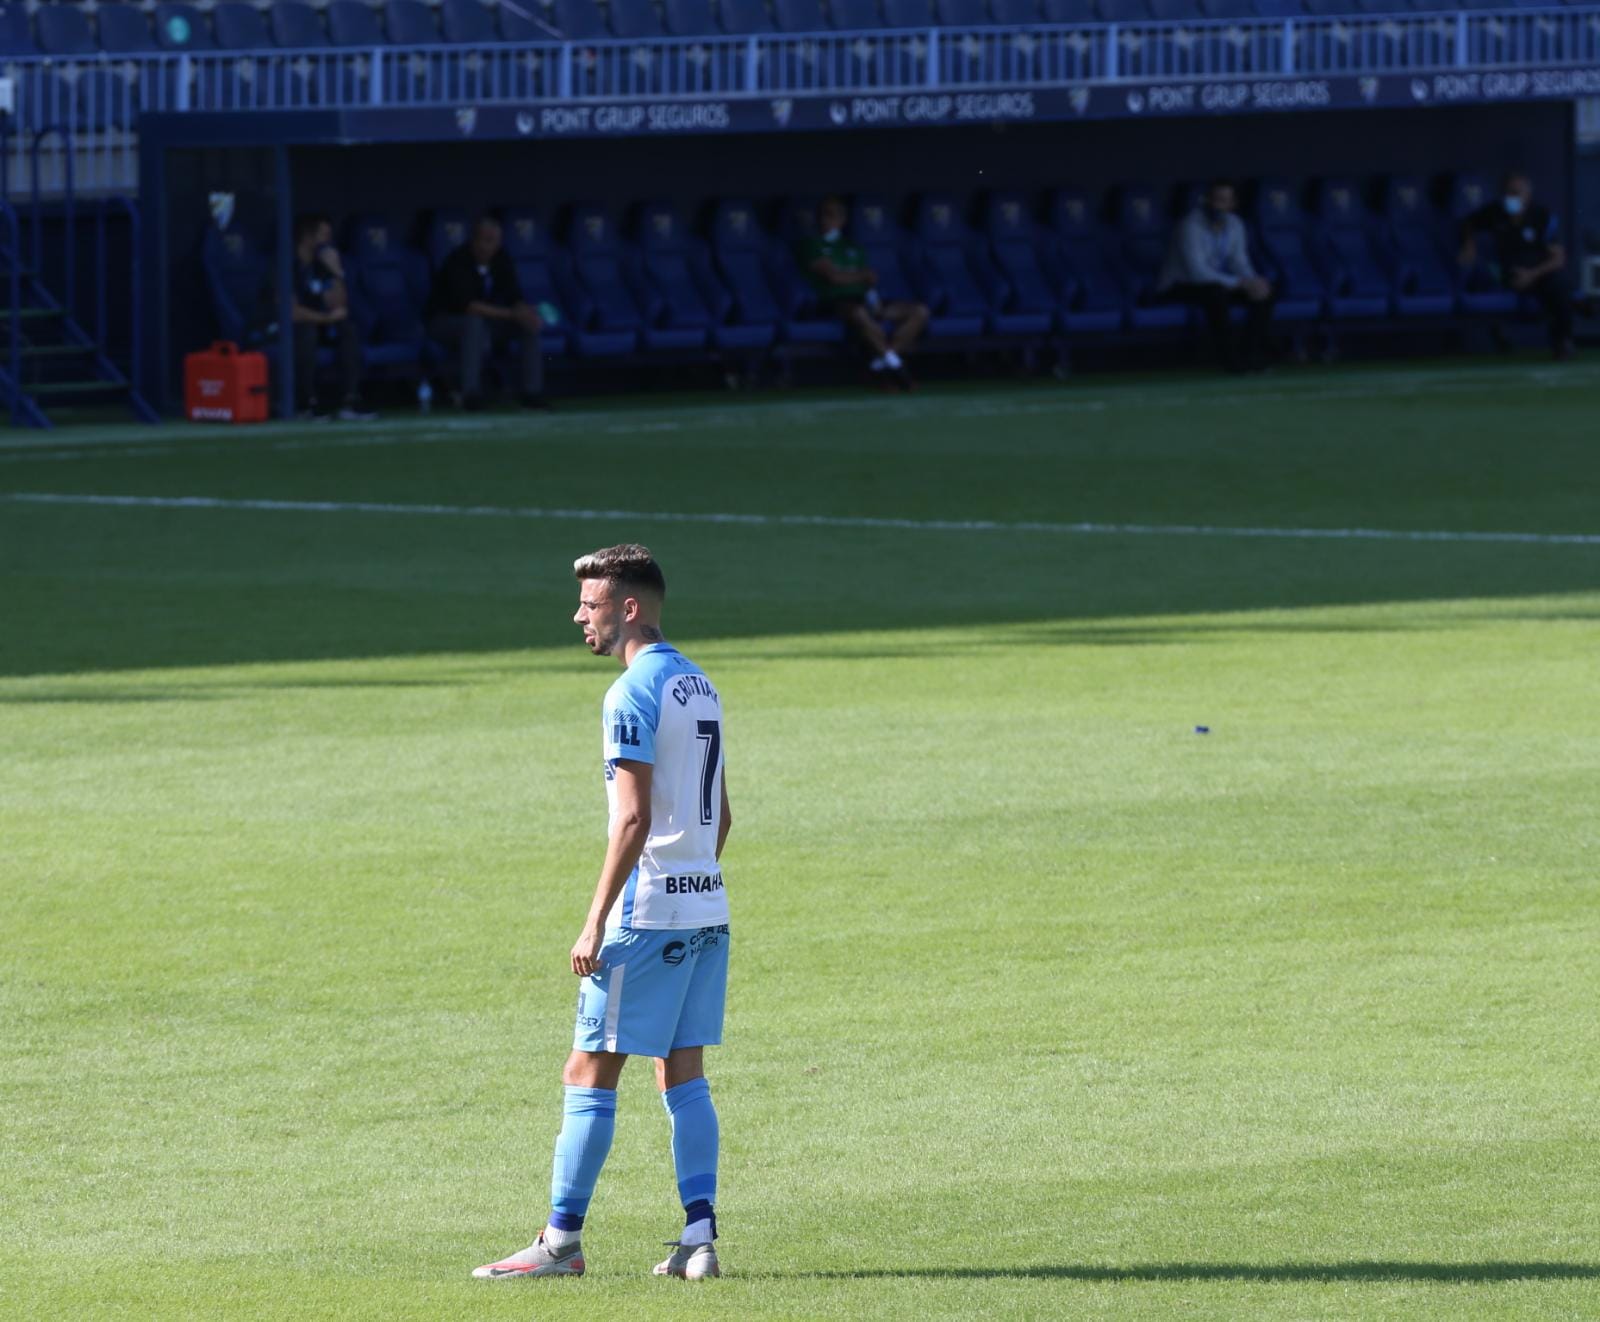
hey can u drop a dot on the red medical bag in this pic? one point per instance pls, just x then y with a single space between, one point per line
220 384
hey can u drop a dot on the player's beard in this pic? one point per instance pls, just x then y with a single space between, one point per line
606 643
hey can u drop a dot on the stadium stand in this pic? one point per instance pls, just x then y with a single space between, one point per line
1361 287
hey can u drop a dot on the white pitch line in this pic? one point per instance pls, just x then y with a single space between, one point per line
802 520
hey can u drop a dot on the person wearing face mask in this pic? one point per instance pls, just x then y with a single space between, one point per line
1527 257
1208 267
844 285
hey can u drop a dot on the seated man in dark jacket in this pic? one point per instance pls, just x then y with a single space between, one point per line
321 316
1530 258
476 304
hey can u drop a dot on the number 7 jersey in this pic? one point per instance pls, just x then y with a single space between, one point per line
664 711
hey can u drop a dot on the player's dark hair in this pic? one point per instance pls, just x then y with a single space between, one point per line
1219 182
1513 177
307 225
629 566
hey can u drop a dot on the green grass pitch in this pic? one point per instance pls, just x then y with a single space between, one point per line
1043 1004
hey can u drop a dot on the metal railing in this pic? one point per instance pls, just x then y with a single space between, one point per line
99 99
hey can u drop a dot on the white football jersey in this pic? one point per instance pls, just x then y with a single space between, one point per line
664 711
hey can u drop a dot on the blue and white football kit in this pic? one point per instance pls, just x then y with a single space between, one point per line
663 965
663 970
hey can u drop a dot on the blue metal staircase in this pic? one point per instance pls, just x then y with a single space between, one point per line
48 356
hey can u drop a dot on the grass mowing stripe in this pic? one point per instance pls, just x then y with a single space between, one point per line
799 520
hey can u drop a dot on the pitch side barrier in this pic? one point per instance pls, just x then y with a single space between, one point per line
826 80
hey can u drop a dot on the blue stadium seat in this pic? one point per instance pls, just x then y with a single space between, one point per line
690 18
16 33
543 276
1089 284
527 21
124 30
1359 285
1145 230
906 57
530 74
600 264
745 17
354 23
239 277
580 20
1070 11
1279 8
1236 9
241 27
806 323
1480 288
250 83
297 26
1029 302
874 228
649 67
388 284
1425 284
1301 292
411 23
688 295
65 30
908 13
448 229
1020 55
962 295
636 20
183 27
968 58
799 16
739 251
855 15
468 23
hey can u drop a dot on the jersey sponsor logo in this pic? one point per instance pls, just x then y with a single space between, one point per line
693 885
693 686
707 938
674 952
625 734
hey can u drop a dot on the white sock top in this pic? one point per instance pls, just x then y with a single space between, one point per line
559 1239
893 360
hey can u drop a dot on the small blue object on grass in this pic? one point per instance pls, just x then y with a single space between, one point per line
1202 729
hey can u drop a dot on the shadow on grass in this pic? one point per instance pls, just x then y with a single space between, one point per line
1462 1273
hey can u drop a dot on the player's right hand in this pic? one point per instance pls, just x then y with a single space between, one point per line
586 953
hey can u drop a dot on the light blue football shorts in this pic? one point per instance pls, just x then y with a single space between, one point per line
656 990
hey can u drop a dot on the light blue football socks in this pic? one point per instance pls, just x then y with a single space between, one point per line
588 1122
694 1154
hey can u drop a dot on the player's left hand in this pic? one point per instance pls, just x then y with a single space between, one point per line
586 953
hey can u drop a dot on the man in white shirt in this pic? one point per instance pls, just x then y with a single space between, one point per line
1208 267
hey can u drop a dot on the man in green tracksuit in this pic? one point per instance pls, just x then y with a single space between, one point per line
846 287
